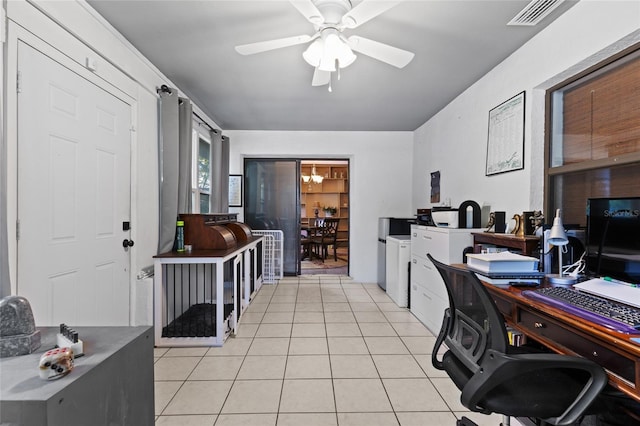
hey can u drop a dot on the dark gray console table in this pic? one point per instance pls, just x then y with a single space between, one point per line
111 384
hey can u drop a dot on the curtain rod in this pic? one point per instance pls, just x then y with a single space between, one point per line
166 89
202 122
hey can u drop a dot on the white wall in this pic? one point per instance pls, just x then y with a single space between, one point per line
379 179
455 140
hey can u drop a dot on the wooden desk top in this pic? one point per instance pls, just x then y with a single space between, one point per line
209 253
569 334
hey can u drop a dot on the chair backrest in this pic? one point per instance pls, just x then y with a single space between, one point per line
473 323
330 227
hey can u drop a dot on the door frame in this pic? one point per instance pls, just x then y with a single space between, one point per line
15 35
328 160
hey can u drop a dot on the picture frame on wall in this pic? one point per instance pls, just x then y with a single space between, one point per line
235 190
505 142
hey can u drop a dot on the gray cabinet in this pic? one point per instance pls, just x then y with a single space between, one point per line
112 384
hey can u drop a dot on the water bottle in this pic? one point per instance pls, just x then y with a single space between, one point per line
180 236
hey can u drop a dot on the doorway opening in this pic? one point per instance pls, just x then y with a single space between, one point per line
324 217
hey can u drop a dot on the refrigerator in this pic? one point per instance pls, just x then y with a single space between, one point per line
398 267
389 226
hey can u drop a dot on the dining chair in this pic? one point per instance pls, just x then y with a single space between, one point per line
326 236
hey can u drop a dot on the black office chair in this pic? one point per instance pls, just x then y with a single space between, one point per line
497 378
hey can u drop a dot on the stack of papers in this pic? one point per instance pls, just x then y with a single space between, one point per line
623 293
504 267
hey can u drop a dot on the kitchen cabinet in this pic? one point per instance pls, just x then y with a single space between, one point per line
428 294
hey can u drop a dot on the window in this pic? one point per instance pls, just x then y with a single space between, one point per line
594 145
201 173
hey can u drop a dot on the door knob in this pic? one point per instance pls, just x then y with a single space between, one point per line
127 243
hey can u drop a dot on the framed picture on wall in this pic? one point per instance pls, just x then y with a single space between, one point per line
505 143
235 190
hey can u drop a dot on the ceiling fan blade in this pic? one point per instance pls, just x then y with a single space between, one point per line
320 78
365 11
383 52
263 46
308 10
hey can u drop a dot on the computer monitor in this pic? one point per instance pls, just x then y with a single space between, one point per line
613 238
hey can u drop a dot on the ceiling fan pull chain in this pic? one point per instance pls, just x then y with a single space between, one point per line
330 75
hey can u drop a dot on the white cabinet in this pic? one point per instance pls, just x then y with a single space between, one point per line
397 262
429 296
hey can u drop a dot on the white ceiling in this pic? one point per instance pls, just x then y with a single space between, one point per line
192 42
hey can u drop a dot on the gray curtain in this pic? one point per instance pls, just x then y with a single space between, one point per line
185 146
174 163
5 284
216 171
219 172
224 182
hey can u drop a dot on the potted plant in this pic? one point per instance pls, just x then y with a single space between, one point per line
329 211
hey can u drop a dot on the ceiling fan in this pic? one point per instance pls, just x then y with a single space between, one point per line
330 50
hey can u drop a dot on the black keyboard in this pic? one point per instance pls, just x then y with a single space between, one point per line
610 314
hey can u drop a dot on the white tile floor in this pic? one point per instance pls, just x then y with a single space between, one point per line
312 351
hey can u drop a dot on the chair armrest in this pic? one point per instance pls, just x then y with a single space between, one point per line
498 368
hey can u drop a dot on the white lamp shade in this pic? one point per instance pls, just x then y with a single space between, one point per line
313 54
557 236
340 51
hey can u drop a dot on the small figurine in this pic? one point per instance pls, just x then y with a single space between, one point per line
56 363
537 220
491 223
518 225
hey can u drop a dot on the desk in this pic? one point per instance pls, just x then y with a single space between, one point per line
568 334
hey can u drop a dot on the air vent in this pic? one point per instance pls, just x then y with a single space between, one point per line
534 12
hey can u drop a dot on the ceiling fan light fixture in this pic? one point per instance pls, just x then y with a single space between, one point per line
334 50
313 54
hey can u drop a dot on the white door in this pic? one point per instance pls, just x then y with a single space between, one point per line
73 195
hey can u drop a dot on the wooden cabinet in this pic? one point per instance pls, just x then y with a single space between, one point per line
526 244
333 191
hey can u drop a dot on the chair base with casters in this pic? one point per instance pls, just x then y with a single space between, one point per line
497 378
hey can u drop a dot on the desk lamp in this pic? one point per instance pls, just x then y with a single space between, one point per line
557 237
